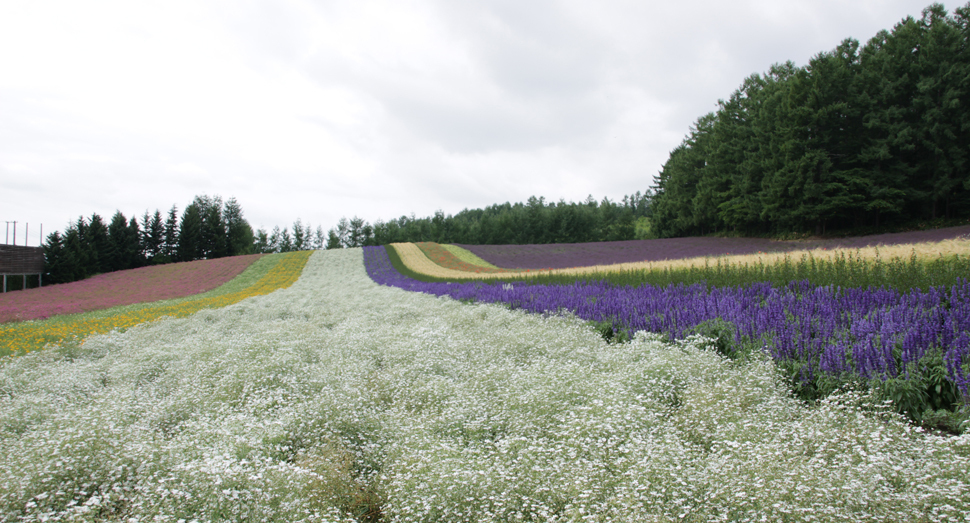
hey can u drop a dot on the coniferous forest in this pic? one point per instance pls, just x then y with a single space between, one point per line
861 137
208 228
532 222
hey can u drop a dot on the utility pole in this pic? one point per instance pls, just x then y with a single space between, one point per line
15 232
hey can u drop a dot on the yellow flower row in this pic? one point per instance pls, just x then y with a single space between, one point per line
266 275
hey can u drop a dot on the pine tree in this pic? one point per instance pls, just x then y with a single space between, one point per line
172 226
319 238
262 243
333 240
115 257
213 230
153 238
239 234
95 235
300 238
190 234
133 253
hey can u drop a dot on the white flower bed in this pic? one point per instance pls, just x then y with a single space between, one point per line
337 398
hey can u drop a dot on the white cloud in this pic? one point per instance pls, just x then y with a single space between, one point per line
322 109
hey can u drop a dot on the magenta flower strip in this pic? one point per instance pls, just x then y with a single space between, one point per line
146 284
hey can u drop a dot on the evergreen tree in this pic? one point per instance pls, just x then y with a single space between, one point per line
262 242
212 238
190 245
300 236
171 245
96 236
115 257
333 240
319 238
133 253
58 261
239 234
153 238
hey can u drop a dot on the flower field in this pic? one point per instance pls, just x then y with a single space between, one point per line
146 284
561 256
915 343
264 275
468 256
445 258
901 266
337 399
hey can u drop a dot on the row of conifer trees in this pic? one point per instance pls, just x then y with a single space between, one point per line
207 228
861 137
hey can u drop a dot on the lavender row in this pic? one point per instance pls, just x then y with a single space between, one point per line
871 333
560 256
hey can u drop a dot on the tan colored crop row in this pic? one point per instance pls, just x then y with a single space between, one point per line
415 260
467 256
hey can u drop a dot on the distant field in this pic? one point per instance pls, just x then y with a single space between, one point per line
560 256
146 284
930 263
267 274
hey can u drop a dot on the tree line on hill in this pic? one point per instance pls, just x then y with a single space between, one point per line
208 228
859 137
532 222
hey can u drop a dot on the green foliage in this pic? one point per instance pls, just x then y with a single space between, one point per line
862 136
533 222
610 331
723 336
207 229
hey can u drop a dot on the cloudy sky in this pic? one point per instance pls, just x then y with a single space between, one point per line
318 109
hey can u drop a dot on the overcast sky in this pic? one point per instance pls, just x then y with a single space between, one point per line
322 109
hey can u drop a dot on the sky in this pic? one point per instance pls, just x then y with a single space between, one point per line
317 109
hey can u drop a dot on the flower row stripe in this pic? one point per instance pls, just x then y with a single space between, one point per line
416 258
272 272
115 289
465 255
819 330
443 257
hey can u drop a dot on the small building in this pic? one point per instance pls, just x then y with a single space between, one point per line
19 260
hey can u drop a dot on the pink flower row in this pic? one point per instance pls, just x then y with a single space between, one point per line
146 284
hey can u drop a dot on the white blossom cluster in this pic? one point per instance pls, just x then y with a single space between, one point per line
339 400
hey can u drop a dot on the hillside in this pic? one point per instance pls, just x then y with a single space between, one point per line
113 289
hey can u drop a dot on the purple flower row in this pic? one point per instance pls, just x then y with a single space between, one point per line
872 333
564 255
